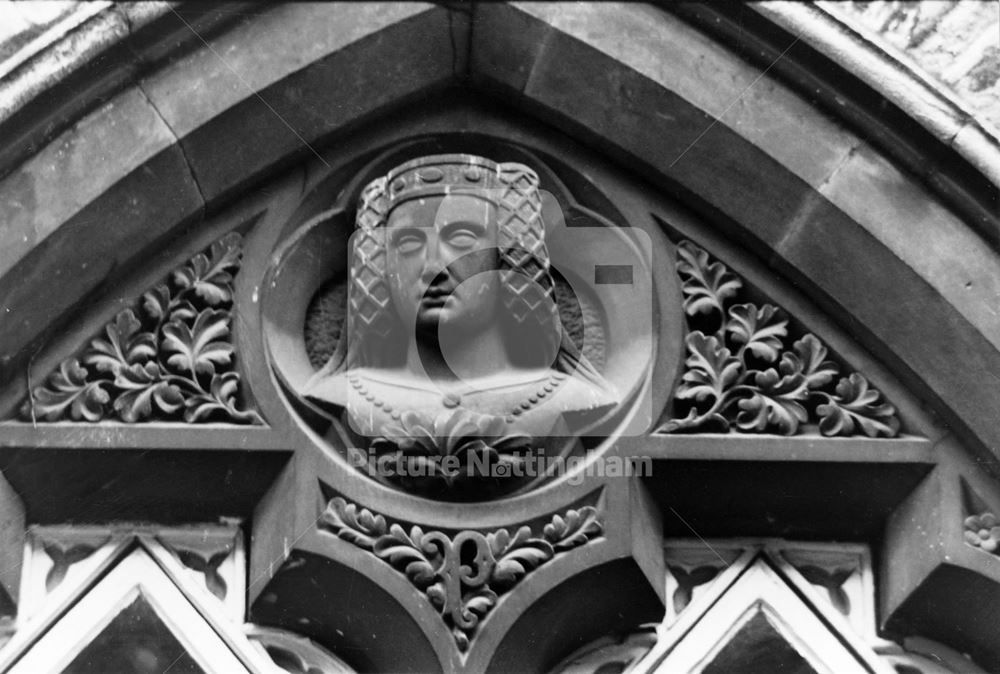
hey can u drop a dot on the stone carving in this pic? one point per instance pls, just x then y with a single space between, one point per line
981 525
296 654
208 567
454 340
64 557
688 580
168 358
983 531
469 440
462 574
617 652
832 580
744 373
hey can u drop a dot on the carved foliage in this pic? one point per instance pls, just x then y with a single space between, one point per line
463 574
455 450
744 372
168 358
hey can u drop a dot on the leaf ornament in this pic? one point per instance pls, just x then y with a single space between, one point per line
475 440
199 348
752 376
209 275
856 406
69 393
123 344
707 285
464 574
168 358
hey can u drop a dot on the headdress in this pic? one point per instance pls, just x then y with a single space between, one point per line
512 188
528 287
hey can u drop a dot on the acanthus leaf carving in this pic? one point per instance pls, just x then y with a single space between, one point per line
477 444
167 358
749 376
462 575
69 393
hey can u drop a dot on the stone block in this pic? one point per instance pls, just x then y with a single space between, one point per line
897 211
256 99
117 169
907 322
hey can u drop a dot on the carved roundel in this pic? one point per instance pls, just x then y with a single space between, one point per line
461 328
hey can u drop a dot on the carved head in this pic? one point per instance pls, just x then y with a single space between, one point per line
441 240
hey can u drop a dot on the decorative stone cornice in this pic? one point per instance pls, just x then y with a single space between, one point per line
170 357
462 587
744 372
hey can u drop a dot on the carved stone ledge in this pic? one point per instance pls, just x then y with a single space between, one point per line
940 578
168 358
746 373
612 653
296 654
462 585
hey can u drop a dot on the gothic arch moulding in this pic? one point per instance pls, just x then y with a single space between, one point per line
821 320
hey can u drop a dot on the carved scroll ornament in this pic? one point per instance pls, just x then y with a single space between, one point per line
461 574
744 373
168 358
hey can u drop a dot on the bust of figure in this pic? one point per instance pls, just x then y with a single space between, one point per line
452 316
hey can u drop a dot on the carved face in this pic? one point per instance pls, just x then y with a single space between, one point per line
442 264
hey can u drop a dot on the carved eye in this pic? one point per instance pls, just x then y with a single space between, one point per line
463 238
409 242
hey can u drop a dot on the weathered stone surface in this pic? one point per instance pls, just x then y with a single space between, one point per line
74 169
116 168
662 47
653 130
272 98
917 331
933 583
955 41
12 524
897 212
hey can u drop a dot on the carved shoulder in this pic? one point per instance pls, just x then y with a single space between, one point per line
327 390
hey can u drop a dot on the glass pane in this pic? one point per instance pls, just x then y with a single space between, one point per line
758 647
136 641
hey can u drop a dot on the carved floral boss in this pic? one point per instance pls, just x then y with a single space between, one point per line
462 574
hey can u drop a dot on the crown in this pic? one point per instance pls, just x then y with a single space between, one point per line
451 174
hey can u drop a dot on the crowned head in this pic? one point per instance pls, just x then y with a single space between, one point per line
454 243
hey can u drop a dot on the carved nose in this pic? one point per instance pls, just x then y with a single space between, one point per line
434 273
435 266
